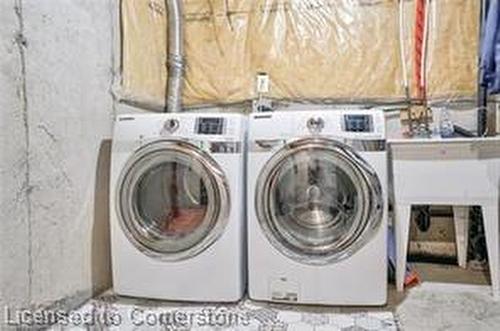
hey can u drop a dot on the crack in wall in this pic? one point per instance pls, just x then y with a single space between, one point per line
114 8
22 44
48 132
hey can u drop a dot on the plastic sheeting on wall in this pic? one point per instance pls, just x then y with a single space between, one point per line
453 48
346 50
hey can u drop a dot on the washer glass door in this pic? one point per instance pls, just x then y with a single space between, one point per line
318 201
173 200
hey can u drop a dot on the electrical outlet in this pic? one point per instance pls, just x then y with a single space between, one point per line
262 83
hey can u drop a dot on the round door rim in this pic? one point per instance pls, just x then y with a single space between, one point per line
217 178
373 189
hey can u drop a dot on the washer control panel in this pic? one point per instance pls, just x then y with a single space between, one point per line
358 123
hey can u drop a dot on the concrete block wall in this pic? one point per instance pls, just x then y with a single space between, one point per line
56 112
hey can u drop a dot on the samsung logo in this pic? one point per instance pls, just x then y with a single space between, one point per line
127 118
260 117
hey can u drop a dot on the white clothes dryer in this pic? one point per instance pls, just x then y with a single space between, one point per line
177 206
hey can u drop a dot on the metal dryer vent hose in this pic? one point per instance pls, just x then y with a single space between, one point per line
175 52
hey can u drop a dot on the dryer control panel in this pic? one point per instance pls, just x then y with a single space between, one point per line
210 125
358 123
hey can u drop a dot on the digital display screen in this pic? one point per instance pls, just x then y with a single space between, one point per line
358 123
210 125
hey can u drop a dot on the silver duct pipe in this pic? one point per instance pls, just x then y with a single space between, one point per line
175 52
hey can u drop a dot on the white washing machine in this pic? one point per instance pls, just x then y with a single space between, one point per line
317 207
177 206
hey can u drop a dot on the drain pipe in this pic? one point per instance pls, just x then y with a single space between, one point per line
482 93
175 52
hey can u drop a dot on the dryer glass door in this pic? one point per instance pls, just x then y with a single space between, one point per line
173 200
318 201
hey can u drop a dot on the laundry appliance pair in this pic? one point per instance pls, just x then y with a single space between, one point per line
306 221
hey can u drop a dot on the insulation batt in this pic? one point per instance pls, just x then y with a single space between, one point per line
312 50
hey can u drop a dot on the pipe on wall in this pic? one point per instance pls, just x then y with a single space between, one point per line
175 51
482 93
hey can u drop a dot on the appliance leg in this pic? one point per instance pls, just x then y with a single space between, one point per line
402 231
461 221
491 230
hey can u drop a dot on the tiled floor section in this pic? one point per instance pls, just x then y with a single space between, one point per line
125 314
430 306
